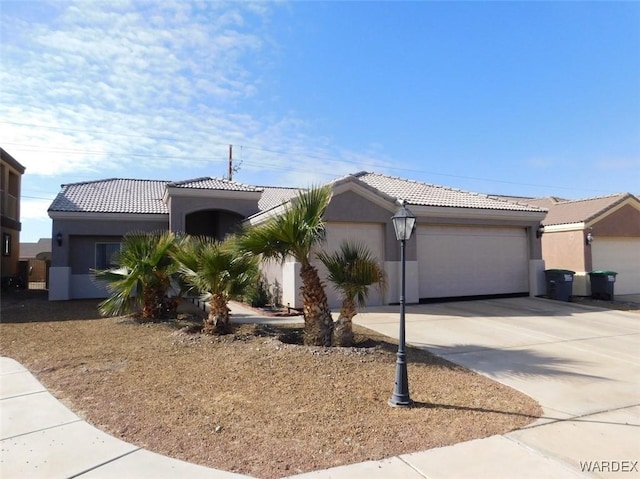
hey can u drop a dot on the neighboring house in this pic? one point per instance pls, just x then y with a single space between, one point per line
600 233
465 244
38 257
10 182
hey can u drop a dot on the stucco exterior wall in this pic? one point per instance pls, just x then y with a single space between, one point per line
625 222
70 275
352 207
181 206
564 250
108 226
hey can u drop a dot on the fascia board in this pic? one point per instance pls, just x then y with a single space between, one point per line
565 227
173 192
426 212
74 215
265 215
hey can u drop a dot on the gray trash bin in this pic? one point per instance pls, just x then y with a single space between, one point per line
602 284
559 283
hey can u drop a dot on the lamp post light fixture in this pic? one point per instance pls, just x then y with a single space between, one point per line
404 222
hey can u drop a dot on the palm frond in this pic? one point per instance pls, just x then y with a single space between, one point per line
352 269
294 232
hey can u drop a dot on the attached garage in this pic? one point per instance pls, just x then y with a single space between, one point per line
455 261
621 255
466 244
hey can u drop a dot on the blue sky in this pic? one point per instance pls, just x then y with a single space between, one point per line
514 98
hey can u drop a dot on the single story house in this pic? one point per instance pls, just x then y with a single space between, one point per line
592 234
465 244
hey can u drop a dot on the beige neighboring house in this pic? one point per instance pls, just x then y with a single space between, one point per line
10 183
594 234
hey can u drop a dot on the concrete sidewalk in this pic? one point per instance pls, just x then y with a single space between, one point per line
41 438
582 364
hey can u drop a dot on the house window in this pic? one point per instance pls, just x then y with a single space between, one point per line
6 244
105 255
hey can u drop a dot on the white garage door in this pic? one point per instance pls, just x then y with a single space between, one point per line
621 255
369 234
471 260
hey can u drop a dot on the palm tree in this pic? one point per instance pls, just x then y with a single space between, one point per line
219 272
142 276
294 233
352 270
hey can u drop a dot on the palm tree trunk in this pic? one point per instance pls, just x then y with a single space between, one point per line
217 322
343 331
151 303
318 323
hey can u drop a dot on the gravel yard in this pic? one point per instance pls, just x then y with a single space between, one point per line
248 402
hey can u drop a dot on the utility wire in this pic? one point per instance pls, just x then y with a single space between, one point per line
264 165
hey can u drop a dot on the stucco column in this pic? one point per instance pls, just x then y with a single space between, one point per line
291 284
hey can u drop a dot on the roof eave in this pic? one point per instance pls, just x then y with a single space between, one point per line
106 216
477 213
173 191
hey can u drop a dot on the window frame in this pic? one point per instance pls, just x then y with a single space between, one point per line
6 244
106 256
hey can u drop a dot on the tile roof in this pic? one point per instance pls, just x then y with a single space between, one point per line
114 195
424 194
118 195
273 196
207 183
31 250
577 211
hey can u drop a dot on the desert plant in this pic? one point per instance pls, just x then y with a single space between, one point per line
142 275
258 296
352 270
294 233
276 294
219 272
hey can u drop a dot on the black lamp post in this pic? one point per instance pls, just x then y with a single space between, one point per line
404 223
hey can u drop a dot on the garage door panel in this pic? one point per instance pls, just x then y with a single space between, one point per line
621 255
371 235
468 261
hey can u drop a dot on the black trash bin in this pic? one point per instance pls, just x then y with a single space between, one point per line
559 283
602 284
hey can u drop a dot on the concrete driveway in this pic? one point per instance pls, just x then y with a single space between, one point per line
582 364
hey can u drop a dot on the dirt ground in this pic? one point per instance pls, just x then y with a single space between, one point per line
249 402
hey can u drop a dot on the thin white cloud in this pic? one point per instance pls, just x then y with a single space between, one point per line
34 209
151 88
114 68
540 162
619 163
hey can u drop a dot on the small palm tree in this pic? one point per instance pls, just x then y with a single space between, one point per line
219 272
142 276
352 270
294 233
